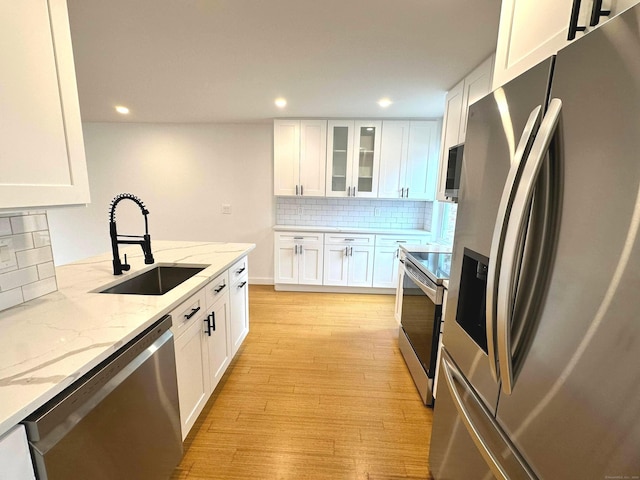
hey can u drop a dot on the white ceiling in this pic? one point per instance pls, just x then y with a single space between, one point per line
227 60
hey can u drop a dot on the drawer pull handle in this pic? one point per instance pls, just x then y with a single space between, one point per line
193 312
219 289
239 271
242 284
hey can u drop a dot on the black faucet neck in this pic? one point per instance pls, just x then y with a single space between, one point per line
144 242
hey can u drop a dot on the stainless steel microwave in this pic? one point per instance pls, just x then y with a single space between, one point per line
454 169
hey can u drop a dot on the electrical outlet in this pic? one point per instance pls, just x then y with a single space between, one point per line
226 209
377 211
300 211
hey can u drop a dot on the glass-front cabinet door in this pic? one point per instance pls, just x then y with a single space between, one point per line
367 158
353 153
340 157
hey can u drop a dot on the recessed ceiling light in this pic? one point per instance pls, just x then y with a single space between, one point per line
122 110
369 129
384 102
281 102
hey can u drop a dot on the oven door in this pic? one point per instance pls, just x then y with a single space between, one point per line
421 314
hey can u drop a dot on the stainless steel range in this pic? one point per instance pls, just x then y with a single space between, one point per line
420 325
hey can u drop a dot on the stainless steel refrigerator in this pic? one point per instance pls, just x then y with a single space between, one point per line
540 374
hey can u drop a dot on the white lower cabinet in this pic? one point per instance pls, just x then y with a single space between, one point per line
208 328
15 460
299 258
340 259
218 339
191 364
239 305
385 268
387 253
348 260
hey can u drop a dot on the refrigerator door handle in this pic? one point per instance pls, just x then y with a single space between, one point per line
497 242
515 467
516 226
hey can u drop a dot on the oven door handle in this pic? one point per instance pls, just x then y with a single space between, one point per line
431 292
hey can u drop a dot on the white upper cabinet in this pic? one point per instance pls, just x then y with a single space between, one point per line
409 159
476 85
41 144
353 156
532 31
470 89
299 151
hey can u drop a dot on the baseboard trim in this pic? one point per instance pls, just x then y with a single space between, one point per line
284 287
260 280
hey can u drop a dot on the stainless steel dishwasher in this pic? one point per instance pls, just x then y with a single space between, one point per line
120 420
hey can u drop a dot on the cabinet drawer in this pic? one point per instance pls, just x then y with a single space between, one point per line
187 312
300 238
217 288
349 239
395 240
238 270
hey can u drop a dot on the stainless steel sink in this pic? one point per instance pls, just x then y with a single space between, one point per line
157 281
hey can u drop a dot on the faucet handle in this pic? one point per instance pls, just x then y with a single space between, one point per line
125 265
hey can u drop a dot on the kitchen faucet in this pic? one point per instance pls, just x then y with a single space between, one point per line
143 240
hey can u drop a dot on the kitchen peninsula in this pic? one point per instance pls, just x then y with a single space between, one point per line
50 342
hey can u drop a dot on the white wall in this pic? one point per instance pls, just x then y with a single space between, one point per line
183 173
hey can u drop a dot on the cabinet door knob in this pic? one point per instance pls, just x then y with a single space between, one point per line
573 22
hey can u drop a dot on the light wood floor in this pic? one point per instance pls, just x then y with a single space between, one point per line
319 390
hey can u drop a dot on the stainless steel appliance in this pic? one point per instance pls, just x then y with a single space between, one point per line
547 257
121 420
454 171
419 332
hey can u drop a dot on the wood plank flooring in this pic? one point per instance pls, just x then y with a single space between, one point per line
319 390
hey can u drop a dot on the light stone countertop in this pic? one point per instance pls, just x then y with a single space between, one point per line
48 343
372 231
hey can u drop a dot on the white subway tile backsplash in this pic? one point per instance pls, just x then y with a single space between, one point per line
39 288
342 212
29 223
5 227
27 258
18 278
11 298
41 239
33 273
22 241
46 270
